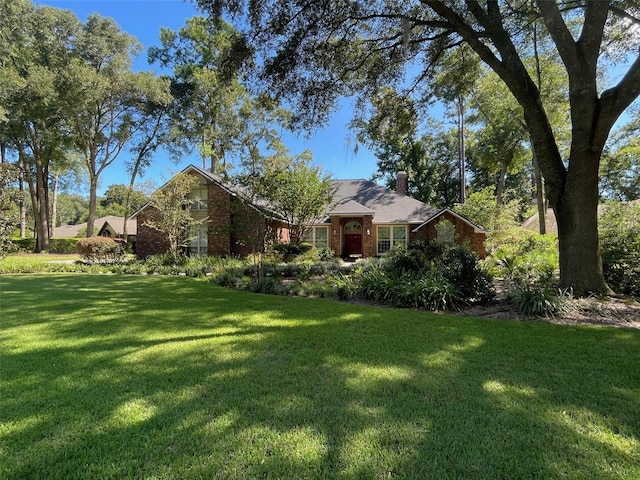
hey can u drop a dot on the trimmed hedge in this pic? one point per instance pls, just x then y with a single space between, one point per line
57 245
63 245
26 244
100 249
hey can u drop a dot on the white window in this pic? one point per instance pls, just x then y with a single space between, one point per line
445 232
198 242
199 198
318 236
389 237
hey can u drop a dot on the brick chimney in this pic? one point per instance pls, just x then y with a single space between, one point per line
401 183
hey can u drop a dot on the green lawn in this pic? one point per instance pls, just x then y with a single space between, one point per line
107 376
35 262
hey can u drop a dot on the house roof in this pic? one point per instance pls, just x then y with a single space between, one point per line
257 203
533 222
386 205
117 224
551 224
349 208
356 197
477 228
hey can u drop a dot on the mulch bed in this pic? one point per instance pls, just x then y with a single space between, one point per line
619 312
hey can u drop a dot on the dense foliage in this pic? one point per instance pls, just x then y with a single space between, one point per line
100 249
299 192
620 241
426 275
9 217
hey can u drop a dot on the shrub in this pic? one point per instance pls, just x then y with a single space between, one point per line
101 249
154 262
266 285
521 250
292 248
63 245
428 290
541 300
373 283
432 292
457 265
344 287
620 243
228 278
437 293
25 244
56 245
461 268
325 254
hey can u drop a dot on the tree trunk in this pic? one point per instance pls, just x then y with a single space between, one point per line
93 202
41 209
23 206
461 150
540 201
127 203
38 190
577 217
500 186
54 206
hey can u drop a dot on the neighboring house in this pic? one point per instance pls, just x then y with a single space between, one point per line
364 220
69 231
108 226
113 227
551 224
368 220
236 224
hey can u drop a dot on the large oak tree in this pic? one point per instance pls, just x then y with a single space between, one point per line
37 92
315 52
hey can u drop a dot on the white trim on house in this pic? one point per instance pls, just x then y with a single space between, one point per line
392 241
476 228
312 236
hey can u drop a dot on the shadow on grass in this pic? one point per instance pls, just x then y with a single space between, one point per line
115 376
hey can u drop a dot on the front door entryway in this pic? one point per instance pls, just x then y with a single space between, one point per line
353 244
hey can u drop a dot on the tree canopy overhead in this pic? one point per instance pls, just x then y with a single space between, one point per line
315 52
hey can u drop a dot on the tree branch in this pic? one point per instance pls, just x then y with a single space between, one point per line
560 34
615 100
595 18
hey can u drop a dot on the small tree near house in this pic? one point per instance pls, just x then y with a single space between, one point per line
171 212
299 192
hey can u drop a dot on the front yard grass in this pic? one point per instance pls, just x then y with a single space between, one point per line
110 376
35 262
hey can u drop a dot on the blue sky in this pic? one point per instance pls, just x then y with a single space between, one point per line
143 19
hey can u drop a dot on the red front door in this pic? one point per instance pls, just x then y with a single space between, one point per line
353 244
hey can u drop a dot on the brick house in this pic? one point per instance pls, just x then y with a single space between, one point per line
236 224
364 220
368 220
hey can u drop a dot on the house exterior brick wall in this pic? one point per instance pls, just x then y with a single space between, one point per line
149 240
219 211
335 236
367 238
465 233
247 229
